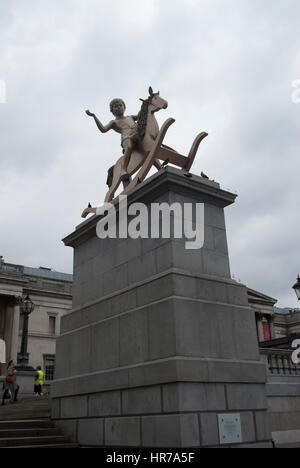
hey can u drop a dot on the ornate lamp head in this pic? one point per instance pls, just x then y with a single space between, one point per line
296 287
26 305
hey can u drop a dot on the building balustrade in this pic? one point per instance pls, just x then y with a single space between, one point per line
279 361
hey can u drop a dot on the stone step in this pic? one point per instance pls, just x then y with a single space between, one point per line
29 408
68 445
24 415
26 424
33 441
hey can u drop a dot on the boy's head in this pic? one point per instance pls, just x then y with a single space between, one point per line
117 107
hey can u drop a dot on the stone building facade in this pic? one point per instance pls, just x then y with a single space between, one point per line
51 293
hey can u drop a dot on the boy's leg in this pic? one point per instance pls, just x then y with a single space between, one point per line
127 145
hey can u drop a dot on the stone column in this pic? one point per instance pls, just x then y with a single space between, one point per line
15 313
10 332
161 341
271 326
259 325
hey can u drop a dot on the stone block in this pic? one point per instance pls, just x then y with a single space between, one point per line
209 429
141 268
104 404
237 294
80 344
184 285
286 439
55 408
68 428
116 279
262 425
255 445
283 389
283 421
153 373
155 290
215 263
220 241
246 397
74 407
197 329
105 345
284 404
133 337
184 397
248 428
214 216
91 432
244 326
161 330
164 256
209 238
187 259
170 431
142 400
122 432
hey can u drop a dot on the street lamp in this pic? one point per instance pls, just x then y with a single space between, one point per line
297 288
26 307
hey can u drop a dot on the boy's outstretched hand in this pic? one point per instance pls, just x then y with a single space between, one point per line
89 113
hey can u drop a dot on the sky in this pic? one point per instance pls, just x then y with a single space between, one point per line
224 66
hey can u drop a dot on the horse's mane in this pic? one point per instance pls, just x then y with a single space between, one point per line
142 118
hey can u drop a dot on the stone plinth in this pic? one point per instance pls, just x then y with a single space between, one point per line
25 380
160 339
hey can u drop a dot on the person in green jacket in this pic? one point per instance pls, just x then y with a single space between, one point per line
39 381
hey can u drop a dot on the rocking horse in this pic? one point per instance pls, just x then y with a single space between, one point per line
148 149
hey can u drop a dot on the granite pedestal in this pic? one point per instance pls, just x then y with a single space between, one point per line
161 340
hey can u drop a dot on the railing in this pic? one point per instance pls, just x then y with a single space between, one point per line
15 270
279 362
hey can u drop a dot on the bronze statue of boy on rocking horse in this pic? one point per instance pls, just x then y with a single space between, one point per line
142 143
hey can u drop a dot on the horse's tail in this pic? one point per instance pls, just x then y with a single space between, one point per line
110 175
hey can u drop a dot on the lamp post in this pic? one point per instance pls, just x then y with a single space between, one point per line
26 307
296 287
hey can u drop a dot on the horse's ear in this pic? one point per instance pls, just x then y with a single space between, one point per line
150 91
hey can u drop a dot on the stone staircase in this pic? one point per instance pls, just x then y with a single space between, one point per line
27 424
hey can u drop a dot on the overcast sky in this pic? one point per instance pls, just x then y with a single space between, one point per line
225 66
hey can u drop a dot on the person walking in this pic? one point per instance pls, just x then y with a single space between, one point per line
10 384
39 381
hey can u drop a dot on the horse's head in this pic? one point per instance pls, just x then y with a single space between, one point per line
156 101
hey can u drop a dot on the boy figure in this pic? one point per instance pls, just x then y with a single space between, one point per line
126 125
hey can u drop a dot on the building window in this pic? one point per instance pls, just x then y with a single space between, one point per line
49 365
52 324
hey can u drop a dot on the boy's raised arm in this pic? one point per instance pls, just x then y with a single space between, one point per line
102 128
